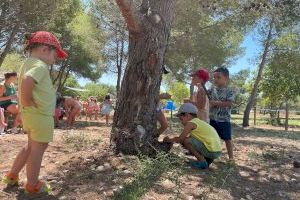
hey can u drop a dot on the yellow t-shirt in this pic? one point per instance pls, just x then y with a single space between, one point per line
43 92
207 135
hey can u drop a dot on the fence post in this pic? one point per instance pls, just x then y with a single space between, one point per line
286 124
254 115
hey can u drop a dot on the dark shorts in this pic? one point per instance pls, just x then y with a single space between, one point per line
222 128
5 106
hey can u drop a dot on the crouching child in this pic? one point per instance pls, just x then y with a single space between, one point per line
198 137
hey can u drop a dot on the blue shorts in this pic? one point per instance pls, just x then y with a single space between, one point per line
222 128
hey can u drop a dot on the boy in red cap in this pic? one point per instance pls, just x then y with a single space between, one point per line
200 99
36 103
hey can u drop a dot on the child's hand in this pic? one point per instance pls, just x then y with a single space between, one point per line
167 139
213 103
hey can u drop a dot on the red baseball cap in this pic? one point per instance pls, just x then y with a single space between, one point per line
45 37
201 73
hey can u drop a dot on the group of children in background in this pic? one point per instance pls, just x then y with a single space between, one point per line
206 118
37 101
73 108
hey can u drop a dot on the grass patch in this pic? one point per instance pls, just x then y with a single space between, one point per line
273 155
80 141
219 178
252 155
149 171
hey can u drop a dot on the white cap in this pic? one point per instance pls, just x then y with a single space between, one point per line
187 108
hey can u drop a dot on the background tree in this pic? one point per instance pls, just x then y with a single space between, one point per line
281 81
20 16
97 90
277 16
116 47
179 92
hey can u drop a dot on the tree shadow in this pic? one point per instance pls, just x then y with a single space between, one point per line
21 195
245 182
77 177
84 124
259 132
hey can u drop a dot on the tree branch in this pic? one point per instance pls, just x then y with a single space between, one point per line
128 12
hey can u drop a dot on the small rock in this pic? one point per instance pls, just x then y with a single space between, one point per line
52 182
167 184
247 189
127 171
62 198
93 167
248 197
66 171
296 164
100 168
106 165
88 160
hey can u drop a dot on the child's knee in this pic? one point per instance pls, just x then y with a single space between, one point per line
186 142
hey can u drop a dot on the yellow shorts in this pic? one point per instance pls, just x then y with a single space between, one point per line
40 128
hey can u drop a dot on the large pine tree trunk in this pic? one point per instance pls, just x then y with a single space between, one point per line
135 117
259 76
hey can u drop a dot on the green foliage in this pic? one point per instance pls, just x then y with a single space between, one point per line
179 92
12 62
71 82
238 81
97 90
202 38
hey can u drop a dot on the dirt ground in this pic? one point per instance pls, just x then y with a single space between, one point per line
80 165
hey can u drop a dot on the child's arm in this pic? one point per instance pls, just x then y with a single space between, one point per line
27 86
187 129
201 98
221 104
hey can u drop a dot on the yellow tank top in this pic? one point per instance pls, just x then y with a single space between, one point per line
207 135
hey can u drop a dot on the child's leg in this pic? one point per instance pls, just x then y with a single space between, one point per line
2 118
107 119
34 162
229 147
189 146
21 159
162 121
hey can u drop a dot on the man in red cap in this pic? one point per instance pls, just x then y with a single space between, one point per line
199 98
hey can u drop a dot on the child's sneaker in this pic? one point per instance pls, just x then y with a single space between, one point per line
199 164
10 179
38 189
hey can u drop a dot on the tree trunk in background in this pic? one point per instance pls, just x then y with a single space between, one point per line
119 65
286 124
63 80
259 75
135 117
9 42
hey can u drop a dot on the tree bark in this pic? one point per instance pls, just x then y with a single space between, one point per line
134 128
119 67
259 75
9 42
